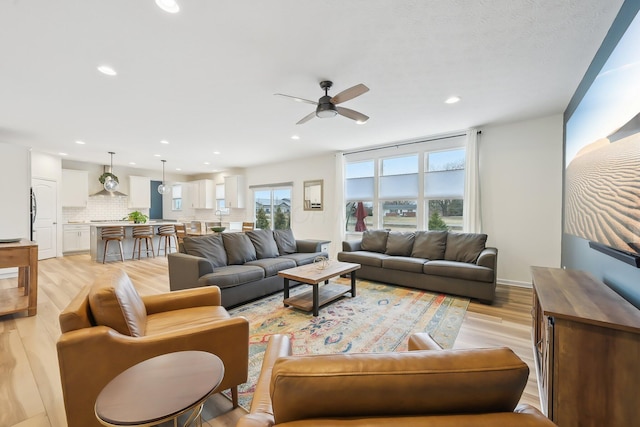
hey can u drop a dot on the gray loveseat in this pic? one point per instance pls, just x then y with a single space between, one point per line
244 266
438 261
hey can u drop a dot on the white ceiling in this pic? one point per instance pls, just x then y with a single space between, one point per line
204 79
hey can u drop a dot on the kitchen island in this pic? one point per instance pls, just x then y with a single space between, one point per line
96 249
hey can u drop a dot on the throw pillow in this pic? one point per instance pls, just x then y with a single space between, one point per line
264 243
429 244
285 241
209 247
115 303
400 243
239 248
374 241
464 247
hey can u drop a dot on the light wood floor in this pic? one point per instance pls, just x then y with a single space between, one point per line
30 393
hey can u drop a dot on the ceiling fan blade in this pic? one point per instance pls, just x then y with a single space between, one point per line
350 93
296 98
351 114
306 118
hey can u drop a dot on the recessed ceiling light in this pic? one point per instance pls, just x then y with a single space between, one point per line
164 141
452 100
169 6
295 137
361 122
63 154
178 169
216 152
206 163
156 155
80 142
107 70
132 163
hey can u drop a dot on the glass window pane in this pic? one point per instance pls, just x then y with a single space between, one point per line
282 209
444 184
399 215
445 160
365 217
400 165
399 186
445 214
262 209
358 169
359 189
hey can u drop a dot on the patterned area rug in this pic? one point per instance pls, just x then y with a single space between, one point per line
379 319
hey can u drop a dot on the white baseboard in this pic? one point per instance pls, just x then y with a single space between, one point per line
514 283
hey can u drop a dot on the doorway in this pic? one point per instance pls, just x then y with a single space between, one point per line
45 223
155 211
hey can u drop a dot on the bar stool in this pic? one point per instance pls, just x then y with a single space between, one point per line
167 232
140 233
109 234
247 226
181 232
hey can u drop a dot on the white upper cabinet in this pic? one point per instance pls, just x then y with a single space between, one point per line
203 193
139 192
75 188
234 191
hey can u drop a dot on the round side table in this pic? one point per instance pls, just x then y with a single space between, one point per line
160 389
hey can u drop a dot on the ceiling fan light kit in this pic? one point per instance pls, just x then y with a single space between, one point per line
326 106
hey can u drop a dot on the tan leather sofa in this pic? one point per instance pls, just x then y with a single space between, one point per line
479 387
108 328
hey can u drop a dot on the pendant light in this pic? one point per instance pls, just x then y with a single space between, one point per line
110 184
163 189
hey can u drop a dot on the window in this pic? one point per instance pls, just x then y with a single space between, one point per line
359 192
444 189
415 186
176 197
272 207
220 198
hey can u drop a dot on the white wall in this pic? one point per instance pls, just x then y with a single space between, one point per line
521 194
323 225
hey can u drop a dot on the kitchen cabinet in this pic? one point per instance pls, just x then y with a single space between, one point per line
234 191
139 192
75 188
586 342
75 238
203 194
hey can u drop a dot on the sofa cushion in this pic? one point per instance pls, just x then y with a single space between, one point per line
209 247
429 244
374 241
173 321
285 241
373 259
264 243
115 303
232 275
271 266
400 243
459 270
304 258
464 247
239 248
410 264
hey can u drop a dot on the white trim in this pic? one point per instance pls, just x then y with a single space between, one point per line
517 283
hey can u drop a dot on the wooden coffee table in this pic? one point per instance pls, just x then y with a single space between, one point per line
160 389
311 274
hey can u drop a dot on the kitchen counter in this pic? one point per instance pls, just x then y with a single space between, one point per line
97 245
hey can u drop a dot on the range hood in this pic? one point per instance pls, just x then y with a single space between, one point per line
105 193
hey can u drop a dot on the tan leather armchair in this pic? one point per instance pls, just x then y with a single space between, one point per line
479 387
108 328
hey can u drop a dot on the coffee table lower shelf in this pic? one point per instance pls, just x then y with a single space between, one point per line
326 294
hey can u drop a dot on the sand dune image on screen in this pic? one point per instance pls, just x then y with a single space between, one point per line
602 194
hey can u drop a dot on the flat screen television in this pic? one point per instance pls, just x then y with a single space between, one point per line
602 155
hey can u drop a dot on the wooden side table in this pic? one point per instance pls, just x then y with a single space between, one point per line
24 255
160 389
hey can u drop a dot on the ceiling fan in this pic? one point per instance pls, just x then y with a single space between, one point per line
327 105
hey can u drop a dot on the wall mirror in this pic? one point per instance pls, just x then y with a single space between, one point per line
313 193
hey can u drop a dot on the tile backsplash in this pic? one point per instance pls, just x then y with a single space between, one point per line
100 208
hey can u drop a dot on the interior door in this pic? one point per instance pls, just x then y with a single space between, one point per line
45 229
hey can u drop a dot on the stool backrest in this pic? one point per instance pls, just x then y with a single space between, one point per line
112 232
142 230
167 229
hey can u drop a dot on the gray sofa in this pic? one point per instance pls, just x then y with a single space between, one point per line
438 261
244 266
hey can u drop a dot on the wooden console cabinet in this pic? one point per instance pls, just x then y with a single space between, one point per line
586 341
